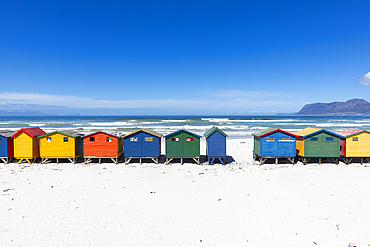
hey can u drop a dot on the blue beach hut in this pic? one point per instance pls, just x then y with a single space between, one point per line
274 143
6 145
216 145
142 143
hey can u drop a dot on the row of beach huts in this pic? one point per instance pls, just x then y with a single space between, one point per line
310 143
28 144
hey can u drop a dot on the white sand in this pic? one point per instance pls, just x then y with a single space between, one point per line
240 204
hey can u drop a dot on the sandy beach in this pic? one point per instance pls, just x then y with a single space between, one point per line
239 204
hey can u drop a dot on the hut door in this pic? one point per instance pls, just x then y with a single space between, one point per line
286 146
135 145
149 145
174 146
269 146
190 146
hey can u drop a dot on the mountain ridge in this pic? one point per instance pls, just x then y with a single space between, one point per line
350 107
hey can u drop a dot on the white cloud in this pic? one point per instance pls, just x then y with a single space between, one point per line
81 102
365 79
234 100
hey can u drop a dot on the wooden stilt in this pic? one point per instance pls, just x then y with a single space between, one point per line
319 161
224 161
181 161
196 160
291 160
336 161
140 161
362 161
168 161
276 161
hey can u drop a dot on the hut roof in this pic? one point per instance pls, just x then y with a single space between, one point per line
347 132
271 130
213 130
311 131
31 132
6 133
351 133
100 132
70 133
306 131
145 130
190 133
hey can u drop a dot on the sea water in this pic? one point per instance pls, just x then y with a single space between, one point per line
234 126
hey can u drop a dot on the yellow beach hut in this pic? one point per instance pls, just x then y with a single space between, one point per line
66 144
26 144
354 143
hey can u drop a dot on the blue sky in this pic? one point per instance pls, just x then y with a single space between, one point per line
189 57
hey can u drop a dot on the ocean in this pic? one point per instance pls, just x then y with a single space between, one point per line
234 126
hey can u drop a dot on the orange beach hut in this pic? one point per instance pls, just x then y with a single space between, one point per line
101 145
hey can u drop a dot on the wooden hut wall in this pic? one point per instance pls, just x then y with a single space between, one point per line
278 144
342 149
23 146
300 146
357 145
6 147
79 146
192 146
257 145
142 144
101 146
322 144
186 146
54 145
216 145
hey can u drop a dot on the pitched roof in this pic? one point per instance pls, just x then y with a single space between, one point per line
213 130
306 131
347 132
6 133
145 130
31 132
311 131
100 132
270 131
190 133
264 131
355 133
70 133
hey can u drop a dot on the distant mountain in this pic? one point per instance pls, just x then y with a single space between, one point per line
27 106
350 107
22 114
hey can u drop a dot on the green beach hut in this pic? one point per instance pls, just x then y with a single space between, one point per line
318 143
182 144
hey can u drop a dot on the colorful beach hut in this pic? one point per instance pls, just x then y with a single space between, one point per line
274 143
26 144
6 145
65 144
142 144
216 145
101 145
318 143
182 144
354 143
